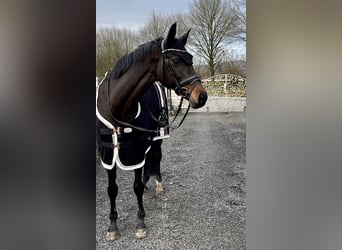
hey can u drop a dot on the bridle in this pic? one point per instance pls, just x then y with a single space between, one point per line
179 90
179 85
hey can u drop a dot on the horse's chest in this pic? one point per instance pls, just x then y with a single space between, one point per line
127 149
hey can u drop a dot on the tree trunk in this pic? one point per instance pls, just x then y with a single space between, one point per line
211 67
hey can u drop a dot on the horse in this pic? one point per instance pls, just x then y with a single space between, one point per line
118 106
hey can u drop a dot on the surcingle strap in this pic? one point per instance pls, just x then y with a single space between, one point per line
109 145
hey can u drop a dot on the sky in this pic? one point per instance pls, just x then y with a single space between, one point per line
133 14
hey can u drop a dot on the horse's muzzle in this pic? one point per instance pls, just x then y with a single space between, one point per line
202 99
198 97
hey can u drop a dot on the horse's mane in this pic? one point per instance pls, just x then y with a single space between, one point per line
126 61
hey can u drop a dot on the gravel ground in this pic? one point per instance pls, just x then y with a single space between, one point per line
204 181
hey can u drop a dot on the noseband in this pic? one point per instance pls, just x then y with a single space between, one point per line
180 85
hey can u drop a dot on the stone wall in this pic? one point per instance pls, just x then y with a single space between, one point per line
223 104
215 104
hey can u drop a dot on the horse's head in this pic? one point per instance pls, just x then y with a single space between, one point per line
177 71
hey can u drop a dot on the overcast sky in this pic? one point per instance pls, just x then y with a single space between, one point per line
132 14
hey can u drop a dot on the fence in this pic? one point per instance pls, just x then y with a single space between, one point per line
227 93
225 85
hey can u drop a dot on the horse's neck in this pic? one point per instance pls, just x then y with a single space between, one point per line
127 90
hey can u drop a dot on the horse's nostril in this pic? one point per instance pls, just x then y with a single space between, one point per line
202 98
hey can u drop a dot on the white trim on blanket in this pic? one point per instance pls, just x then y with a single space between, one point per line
163 104
116 158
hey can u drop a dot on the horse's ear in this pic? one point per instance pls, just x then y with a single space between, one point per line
184 37
172 33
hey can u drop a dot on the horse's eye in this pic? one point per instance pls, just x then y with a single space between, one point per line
176 61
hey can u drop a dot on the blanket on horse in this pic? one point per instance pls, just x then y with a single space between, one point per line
128 147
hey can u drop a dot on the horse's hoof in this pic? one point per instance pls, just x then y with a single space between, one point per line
159 193
114 235
141 233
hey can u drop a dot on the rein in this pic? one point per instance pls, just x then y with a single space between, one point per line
178 110
161 123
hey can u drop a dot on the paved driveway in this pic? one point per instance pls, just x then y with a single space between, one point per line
204 181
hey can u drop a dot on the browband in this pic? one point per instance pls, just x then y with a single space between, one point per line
168 50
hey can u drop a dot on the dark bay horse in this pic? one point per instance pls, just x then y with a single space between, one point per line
119 105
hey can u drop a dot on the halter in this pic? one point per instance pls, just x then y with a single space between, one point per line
180 85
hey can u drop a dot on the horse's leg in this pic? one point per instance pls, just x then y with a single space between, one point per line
152 166
159 187
146 175
113 232
141 231
156 158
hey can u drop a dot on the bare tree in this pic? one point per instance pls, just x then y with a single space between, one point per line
111 44
214 25
159 23
233 64
240 25
155 27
